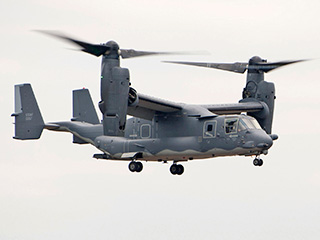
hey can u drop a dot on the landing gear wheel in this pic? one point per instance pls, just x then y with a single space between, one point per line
258 162
135 166
176 169
180 169
140 166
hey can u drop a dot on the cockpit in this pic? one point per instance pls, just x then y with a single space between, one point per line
240 123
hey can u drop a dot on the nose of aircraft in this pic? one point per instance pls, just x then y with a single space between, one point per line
264 141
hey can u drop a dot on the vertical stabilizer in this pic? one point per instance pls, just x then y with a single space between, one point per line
28 120
83 110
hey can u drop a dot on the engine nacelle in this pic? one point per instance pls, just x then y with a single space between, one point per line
259 90
114 104
133 98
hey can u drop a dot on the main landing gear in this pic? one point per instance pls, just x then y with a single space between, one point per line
258 162
176 169
135 166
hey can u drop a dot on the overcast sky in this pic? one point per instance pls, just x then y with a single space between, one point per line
53 189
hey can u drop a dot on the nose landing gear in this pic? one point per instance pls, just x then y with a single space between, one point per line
258 162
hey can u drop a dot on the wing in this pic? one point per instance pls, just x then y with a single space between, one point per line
235 108
148 106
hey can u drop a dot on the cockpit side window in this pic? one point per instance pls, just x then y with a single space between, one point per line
231 125
242 125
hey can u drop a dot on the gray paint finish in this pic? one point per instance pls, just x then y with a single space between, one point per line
190 133
160 130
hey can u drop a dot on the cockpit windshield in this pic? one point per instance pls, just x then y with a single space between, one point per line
249 123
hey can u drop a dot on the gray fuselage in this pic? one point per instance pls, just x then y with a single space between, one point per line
180 137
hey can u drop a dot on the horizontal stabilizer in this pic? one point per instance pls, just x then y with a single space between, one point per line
28 120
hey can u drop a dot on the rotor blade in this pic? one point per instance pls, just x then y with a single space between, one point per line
267 67
130 53
94 49
237 67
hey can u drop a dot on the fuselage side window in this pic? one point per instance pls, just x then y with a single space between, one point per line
209 130
231 125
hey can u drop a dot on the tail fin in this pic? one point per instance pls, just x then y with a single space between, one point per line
83 110
28 120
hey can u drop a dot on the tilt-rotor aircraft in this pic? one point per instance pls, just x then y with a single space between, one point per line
159 130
